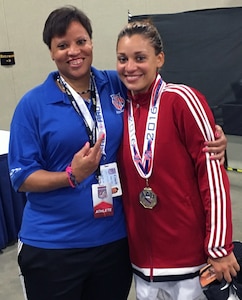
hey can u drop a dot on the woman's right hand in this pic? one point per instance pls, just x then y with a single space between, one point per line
83 164
86 161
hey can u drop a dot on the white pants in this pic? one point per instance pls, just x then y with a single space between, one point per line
188 289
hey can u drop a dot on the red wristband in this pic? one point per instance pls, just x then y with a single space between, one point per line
71 178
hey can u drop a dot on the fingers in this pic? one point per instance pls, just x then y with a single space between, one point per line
86 160
85 149
218 131
222 160
220 142
219 156
92 152
212 147
225 267
217 147
229 274
227 277
96 149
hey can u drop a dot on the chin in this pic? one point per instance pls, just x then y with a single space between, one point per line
135 89
131 86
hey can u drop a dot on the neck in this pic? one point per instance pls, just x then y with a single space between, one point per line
80 85
142 97
137 95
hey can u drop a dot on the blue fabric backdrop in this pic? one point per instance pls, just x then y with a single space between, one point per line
11 207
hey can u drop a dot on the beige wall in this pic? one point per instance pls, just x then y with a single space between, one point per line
21 24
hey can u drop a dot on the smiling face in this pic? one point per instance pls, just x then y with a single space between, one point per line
137 63
72 53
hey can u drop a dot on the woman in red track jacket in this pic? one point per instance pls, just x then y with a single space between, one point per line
176 199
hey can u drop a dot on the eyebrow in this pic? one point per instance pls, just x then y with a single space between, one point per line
137 52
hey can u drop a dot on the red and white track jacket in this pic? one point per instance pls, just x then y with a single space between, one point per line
192 219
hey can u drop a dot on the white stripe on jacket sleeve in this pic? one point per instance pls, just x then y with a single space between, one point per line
217 190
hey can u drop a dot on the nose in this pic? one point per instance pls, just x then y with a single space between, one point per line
130 65
74 49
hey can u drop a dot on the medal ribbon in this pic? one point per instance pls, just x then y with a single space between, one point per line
144 164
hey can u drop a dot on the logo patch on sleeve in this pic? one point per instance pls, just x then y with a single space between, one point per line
118 102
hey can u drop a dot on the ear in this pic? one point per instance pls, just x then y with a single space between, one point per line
52 55
160 59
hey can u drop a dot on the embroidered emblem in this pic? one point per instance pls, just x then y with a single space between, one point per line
118 102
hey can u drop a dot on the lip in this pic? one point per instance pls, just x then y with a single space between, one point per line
132 78
77 62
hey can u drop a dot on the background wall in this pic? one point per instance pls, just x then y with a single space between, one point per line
21 25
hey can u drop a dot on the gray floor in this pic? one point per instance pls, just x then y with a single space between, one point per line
10 288
234 151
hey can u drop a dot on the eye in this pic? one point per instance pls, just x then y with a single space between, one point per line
122 59
140 58
62 46
81 42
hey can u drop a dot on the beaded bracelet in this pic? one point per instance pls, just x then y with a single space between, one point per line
71 178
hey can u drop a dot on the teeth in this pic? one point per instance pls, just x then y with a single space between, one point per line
75 62
132 77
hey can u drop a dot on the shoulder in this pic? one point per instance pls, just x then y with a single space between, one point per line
183 99
104 73
107 77
45 90
182 90
39 96
184 94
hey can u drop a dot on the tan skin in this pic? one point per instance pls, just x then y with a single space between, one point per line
218 146
137 64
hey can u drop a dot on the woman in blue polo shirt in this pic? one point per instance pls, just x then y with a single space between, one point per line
73 238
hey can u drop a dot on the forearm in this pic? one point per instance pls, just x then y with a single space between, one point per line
44 181
83 164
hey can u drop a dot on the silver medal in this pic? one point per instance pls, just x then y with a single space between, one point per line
148 198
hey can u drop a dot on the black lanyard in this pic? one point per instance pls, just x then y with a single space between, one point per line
91 133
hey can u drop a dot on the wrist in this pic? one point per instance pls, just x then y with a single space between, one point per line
71 177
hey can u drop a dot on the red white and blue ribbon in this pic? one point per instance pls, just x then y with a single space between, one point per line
144 163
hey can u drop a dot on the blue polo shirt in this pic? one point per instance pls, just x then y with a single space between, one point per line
45 133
